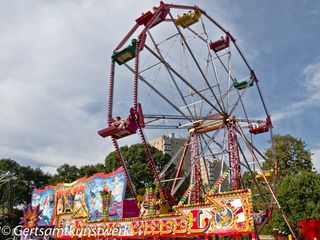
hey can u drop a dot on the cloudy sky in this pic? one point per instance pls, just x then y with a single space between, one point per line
54 67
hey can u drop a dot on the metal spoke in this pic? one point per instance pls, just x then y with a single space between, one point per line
183 79
196 62
158 92
170 74
211 139
172 160
212 62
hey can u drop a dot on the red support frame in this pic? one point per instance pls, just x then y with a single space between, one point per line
234 156
194 156
183 156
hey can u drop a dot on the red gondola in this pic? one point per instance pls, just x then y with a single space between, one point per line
122 128
146 17
220 44
261 127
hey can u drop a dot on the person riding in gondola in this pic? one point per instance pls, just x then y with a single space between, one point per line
117 122
120 123
260 124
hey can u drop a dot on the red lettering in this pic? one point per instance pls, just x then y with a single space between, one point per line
137 228
180 226
196 222
166 226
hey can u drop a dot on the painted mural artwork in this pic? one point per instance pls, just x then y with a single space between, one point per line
96 204
223 217
116 184
45 199
227 212
79 208
232 213
224 213
81 199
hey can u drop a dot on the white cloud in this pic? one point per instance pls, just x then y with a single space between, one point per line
312 76
48 169
311 86
54 68
53 78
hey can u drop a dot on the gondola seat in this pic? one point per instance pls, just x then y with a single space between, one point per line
220 44
127 129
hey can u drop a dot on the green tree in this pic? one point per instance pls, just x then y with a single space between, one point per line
22 181
65 174
90 170
137 164
292 155
299 196
17 184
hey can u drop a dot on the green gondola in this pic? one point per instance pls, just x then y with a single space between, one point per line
126 54
244 84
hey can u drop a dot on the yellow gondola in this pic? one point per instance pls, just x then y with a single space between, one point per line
267 174
189 18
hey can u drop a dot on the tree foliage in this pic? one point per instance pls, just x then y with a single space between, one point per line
65 174
23 180
137 164
15 190
90 170
292 155
293 158
299 196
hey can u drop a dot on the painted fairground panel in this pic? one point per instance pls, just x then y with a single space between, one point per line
70 198
222 214
96 189
45 200
232 211
91 199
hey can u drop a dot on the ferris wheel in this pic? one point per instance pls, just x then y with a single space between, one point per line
178 70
